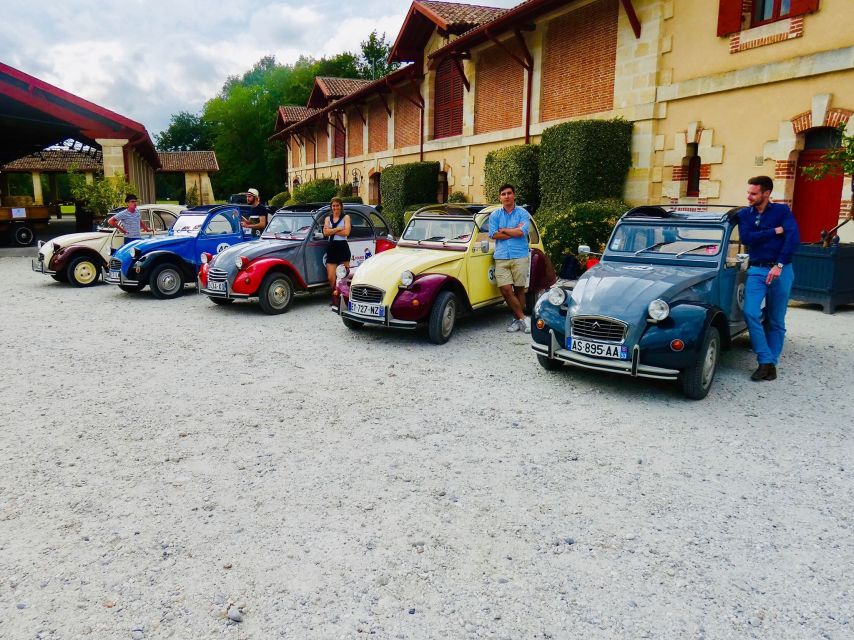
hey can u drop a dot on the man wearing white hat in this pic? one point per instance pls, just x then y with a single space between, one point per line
259 211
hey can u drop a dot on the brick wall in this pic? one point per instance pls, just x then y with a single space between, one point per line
578 62
309 151
294 145
499 90
322 144
377 127
355 132
407 121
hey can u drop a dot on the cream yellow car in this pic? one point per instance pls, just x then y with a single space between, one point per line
442 268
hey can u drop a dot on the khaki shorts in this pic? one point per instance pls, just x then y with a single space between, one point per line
514 271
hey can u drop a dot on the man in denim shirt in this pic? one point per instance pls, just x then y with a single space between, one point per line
771 234
508 226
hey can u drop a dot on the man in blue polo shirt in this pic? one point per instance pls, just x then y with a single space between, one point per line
508 226
771 234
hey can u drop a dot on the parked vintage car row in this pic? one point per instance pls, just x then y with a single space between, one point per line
665 298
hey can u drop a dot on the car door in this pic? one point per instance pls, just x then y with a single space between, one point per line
362 241
314 253
480 269
220 231
732 282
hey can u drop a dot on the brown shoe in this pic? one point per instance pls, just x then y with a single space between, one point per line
763 371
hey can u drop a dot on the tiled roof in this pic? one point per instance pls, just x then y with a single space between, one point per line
459 15
340 87
54 160
292 113
180 161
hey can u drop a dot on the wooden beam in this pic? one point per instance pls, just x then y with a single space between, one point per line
633 17
459 65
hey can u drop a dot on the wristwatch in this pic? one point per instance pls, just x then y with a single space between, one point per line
780 265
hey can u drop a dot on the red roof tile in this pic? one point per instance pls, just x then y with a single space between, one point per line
458 15
181 161
55 160
339 87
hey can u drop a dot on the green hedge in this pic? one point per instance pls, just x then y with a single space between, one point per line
590 223
320 190
280 199
457 196
404 184
584 161
517 165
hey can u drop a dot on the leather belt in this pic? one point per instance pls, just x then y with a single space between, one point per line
762 264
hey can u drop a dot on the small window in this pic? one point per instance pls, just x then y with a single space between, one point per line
359 226
380 228
220 224
765 11
692 168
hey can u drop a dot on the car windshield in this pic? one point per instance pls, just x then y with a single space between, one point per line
289 227
188 225
443 231
671 239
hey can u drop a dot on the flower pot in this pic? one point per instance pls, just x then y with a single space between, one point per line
824 275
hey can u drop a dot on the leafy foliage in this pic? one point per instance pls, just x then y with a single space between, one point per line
186 132
373 63
280 199
583 161
565 227
517 165
102 194
836 161
404 184
457 196
320 190
192 199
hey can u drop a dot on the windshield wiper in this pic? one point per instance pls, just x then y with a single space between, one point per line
651 247
699 246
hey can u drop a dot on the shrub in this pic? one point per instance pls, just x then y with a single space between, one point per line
345 190
102 194
192 198
457 196
352 199
590 223
320 190
517 165
403 184
584 161
280 199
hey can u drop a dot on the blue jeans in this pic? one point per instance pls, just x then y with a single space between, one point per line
767 339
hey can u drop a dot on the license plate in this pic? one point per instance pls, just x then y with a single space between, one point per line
362 309
38 266
116 275
597 349
216 286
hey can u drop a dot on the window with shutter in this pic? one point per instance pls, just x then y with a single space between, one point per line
338 138
448 103
729 17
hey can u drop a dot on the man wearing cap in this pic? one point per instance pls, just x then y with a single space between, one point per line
128 221
259 211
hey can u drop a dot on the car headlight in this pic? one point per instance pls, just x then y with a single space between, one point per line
240 262
341 271
557 296
205 257
134 253
407 278
658 310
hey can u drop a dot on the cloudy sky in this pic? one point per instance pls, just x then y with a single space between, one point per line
148 59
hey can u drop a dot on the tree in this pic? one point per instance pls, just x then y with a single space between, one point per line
373 63
186 132
100 195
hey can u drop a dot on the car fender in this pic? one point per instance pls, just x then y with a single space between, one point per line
542 272
258 269
687 322
154 258
415 302
60 260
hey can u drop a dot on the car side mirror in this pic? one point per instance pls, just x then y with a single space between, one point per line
583 249
484 246
390 238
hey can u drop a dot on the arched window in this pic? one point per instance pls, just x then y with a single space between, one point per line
691 164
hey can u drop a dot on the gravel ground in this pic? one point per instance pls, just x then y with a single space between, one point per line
179 470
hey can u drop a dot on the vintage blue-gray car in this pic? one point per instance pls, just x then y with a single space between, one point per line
666 296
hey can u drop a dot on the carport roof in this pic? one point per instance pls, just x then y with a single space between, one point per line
54 161
35 115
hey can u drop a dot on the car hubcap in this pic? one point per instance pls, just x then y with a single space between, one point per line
448 318
24 235
709 363
85 273
279 294
168 281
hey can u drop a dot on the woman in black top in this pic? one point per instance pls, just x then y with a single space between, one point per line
336 227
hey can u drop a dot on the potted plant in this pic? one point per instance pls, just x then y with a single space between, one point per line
824 271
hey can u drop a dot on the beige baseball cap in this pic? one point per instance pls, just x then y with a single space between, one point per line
254 192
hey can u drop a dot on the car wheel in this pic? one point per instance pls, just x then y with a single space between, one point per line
222 302
23 235
167 281
697 379
549 364
276 293
353 325
83 272
131 288
443 317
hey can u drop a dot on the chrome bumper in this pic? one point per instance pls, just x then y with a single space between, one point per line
385 321
38 267
633 367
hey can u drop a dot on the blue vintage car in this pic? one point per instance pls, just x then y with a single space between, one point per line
167 263
666 296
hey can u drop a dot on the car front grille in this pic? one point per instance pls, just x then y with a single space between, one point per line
41 257
115 264
217 275
597 328
361 293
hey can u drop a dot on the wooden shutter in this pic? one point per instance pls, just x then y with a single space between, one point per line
448 104
729 17
338 136
801 7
